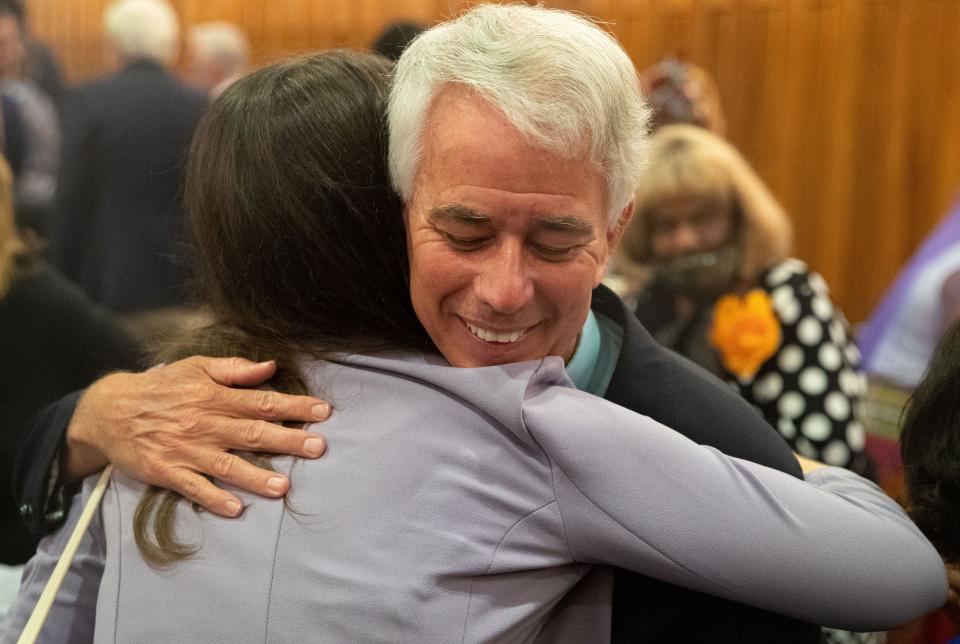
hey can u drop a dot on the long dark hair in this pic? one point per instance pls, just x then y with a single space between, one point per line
930 449
298 238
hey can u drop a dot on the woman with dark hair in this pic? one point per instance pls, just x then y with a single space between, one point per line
453 504
929 444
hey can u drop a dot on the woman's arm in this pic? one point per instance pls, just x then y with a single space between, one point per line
640 496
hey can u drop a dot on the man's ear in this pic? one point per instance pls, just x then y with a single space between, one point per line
613 239
615 233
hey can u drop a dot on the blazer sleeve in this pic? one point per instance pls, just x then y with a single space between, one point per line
637 495
73 614
40 498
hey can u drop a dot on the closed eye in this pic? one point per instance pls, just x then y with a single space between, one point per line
554 254
465 244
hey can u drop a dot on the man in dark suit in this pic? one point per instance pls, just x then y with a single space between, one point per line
117 227
508 240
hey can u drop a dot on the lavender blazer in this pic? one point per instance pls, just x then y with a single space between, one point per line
461 505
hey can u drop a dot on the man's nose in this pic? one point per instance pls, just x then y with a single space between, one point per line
504 283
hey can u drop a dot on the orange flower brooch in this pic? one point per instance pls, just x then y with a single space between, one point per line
746 332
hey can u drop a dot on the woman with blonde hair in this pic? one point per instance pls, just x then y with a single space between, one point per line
708 252
11 246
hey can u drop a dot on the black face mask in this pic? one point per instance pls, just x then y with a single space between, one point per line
701 276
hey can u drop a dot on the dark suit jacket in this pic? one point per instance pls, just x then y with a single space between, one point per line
117 228
649 379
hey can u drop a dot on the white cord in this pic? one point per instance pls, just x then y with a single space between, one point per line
39 615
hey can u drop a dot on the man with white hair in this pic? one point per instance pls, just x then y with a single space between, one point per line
117 225
517 134
217 54
516 139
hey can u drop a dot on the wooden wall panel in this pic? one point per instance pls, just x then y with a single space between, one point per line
824 103
876 166
849 109
762 124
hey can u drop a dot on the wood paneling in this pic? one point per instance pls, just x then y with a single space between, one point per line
849 109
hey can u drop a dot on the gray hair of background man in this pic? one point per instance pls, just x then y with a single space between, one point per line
143 29
221 42
561 80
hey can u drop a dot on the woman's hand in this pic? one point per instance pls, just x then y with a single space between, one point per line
808 465
952 607
173 424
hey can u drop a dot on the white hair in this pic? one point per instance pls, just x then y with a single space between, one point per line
222 42
143 29
561 80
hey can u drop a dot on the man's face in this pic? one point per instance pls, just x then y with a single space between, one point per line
506 241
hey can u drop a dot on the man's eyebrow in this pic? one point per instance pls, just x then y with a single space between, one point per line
565 224
456 213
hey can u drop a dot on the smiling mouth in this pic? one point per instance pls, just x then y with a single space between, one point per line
500 337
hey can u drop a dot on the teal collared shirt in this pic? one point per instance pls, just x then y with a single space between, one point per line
595 358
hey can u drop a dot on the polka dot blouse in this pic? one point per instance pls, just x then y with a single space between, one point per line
812 387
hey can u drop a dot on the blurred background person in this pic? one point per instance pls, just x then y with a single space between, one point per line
681 92
677 92
395 37
35 174
118 224
930 449
720 289
37 63
218 53
53 341
11 133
